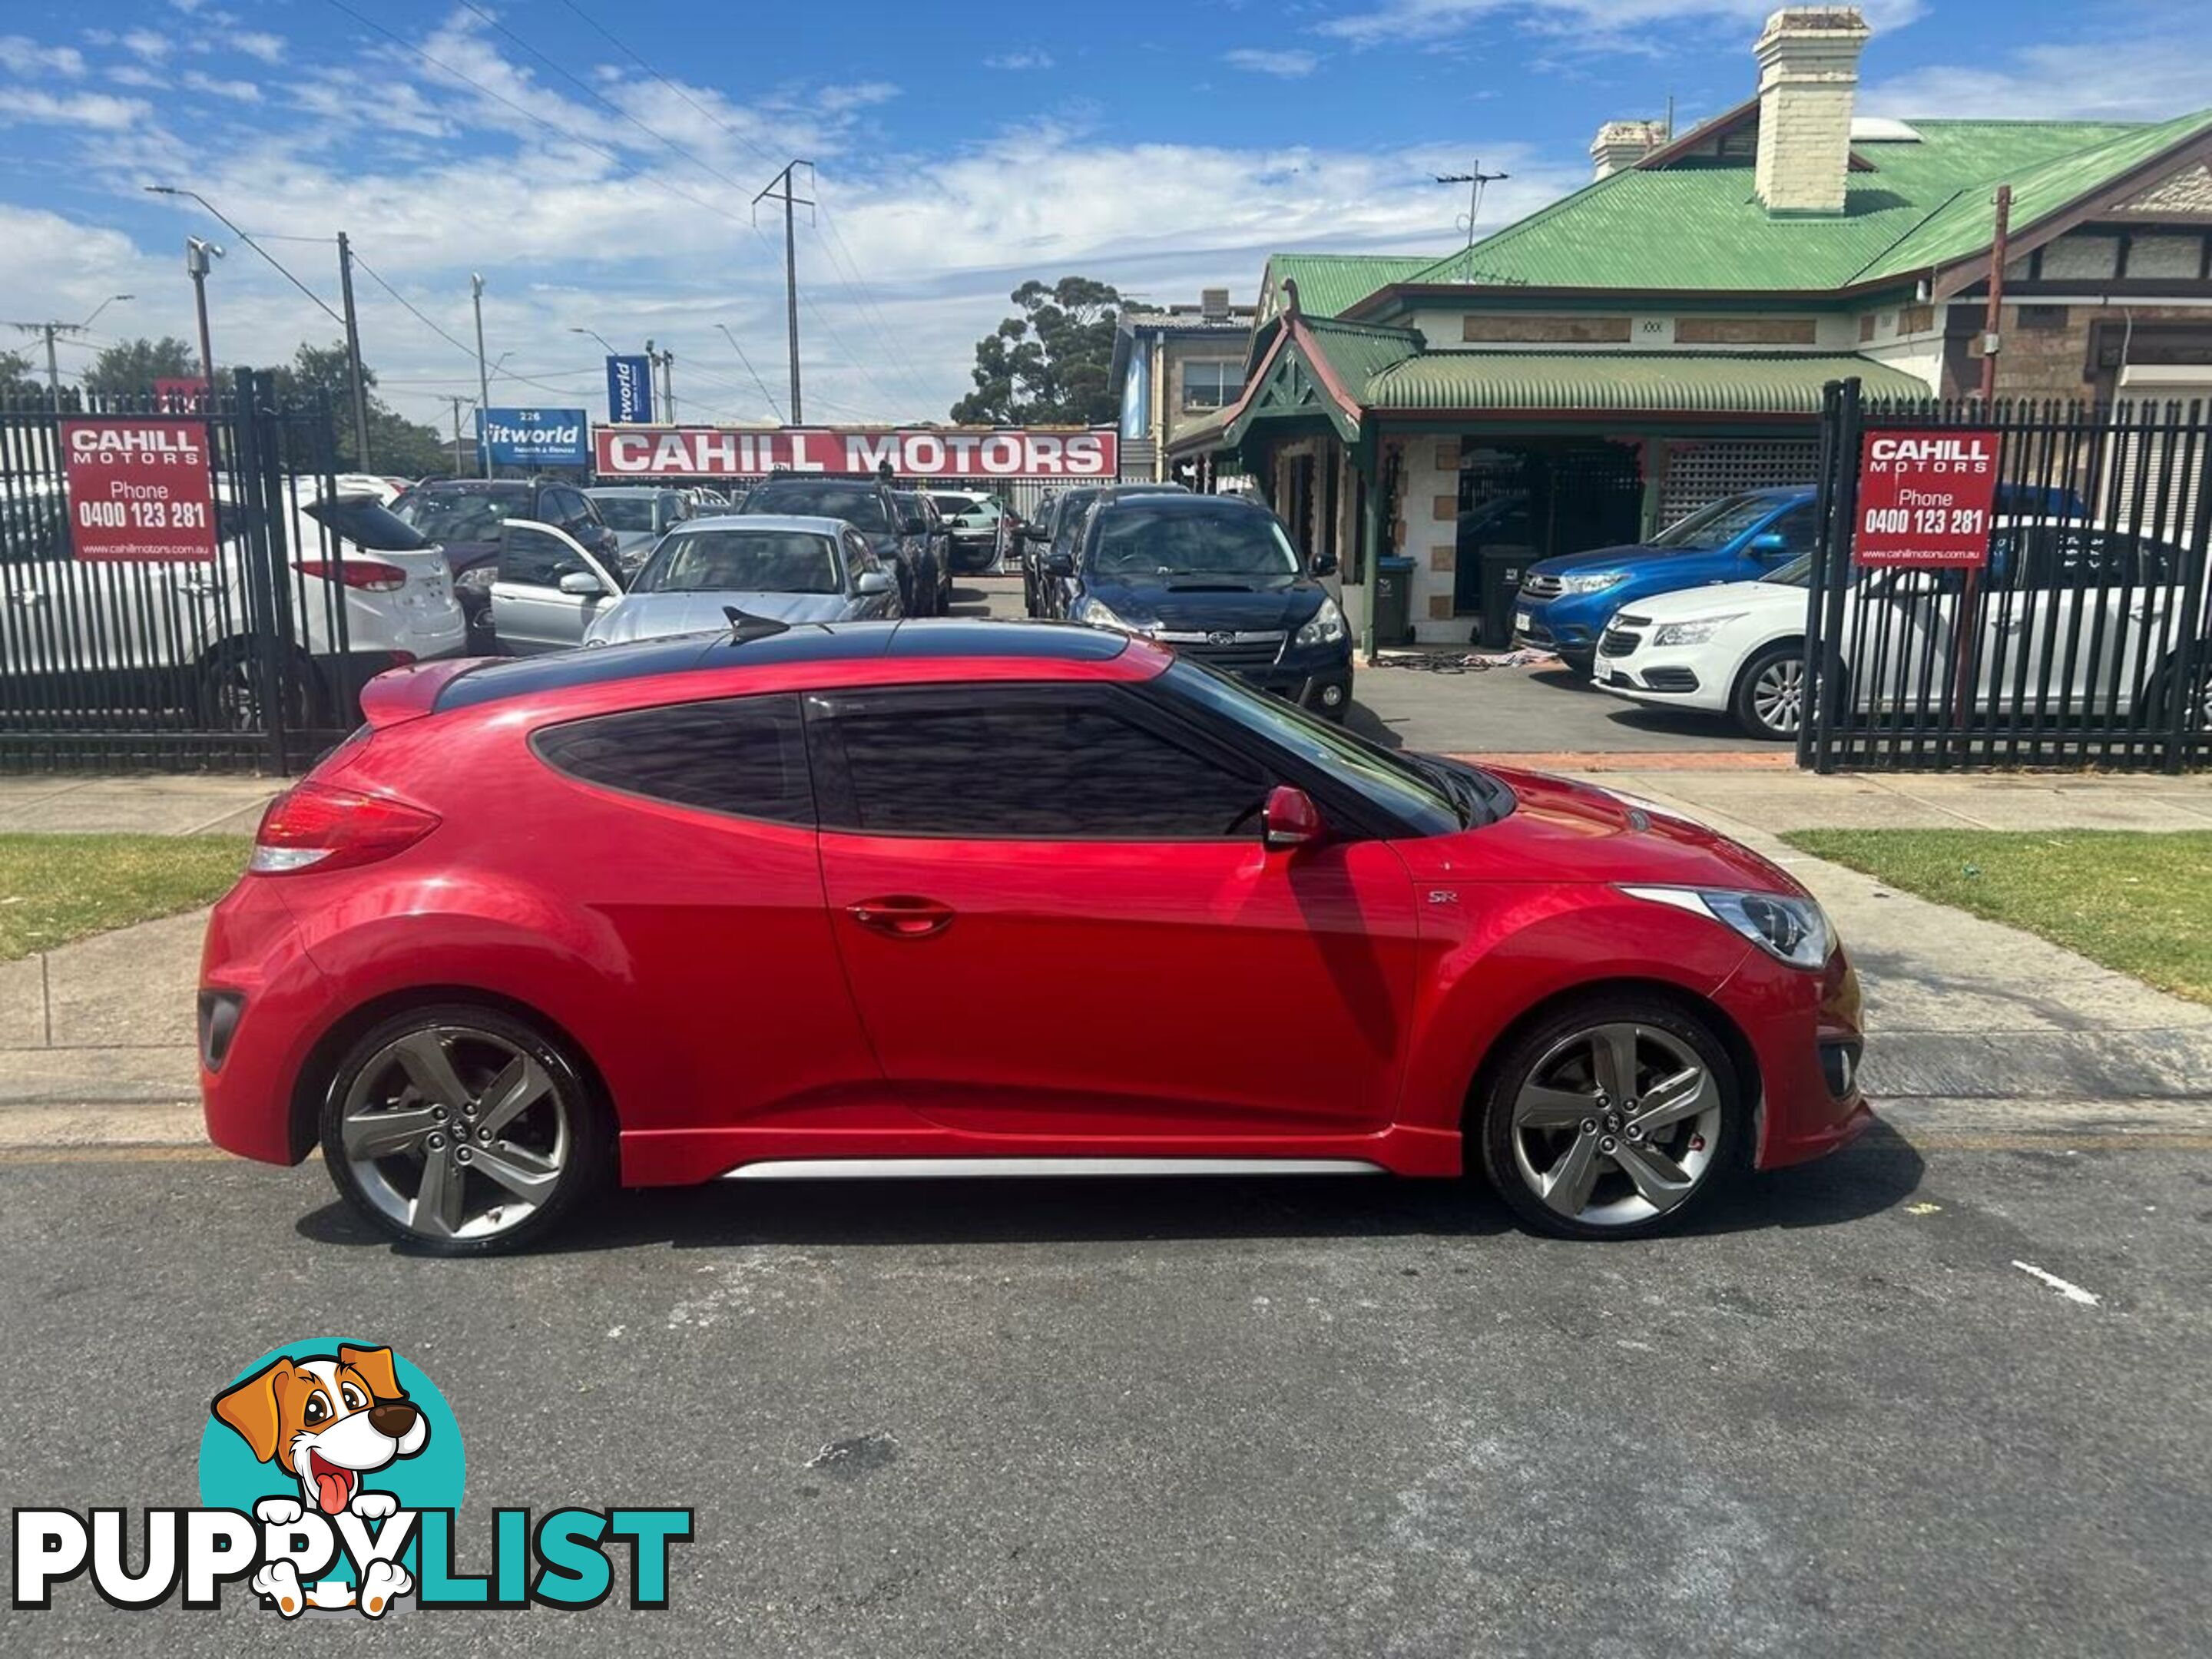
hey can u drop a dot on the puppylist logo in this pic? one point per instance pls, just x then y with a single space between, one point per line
331 1475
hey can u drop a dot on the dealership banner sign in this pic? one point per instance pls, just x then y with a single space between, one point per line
630 389
706 452
140 491
535 437
1925 499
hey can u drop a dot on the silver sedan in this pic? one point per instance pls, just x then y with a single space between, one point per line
790 569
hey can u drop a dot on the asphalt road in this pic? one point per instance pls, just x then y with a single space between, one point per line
1498 711
1220 1417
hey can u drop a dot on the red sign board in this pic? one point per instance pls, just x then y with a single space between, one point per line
1926 498
710 452
139 490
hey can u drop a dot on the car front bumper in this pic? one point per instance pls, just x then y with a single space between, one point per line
1806 1040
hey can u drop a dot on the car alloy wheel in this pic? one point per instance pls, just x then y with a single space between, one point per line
1778 695
459 1130
1610 1121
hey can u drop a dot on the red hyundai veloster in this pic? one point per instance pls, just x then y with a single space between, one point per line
987 897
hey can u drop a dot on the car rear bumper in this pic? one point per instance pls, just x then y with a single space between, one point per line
262 1003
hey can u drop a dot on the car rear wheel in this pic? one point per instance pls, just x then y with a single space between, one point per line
461 1130
1769 693
1616 1117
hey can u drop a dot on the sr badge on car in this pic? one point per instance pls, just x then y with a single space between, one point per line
330 1476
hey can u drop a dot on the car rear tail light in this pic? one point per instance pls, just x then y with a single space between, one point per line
371 575
315 827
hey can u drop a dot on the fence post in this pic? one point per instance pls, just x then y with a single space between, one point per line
1836 513
257 442
2183 704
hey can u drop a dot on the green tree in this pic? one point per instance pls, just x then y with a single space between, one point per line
133 366
16 378
1048 365
396 444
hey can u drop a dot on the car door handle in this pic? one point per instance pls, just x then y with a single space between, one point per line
902 915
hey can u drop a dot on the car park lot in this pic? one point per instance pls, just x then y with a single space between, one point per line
1248 1417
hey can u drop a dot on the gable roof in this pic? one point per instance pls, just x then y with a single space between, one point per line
1693 223
1329 283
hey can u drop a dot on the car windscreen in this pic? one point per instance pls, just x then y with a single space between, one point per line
1132 540
461 515
742 561
367 523
625 511
1798 573
1393 784
856 504
1715 525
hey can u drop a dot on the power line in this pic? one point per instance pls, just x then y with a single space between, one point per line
172 190
468 351
752 144
871 315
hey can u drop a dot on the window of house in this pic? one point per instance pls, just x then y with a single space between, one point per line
1210 385
743 755
1053 766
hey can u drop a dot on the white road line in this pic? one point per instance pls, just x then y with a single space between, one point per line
2071 1292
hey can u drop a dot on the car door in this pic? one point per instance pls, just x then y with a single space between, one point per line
1059 923
530 613
860 561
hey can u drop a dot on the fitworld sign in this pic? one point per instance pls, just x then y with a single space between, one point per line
705 451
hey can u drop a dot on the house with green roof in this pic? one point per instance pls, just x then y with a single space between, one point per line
1663 337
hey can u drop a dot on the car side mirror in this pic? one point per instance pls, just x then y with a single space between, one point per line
582 584
1325 565
1034 532
1290 820
1769 544
872 583
1059 564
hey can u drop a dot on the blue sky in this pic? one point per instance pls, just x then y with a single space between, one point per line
594 161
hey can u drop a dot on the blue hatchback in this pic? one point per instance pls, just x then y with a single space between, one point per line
1565 603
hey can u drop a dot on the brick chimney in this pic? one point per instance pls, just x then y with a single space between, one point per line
1621 144
1808 75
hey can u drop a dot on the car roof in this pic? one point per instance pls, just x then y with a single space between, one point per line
1160 501
1046 650
633 489
815 523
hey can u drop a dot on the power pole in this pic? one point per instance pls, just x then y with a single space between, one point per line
199 254
352 354
457 400
790 201
484 373
1993 317
1475 181
50 331
668 383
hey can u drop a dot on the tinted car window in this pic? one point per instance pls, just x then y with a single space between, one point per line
627 512
367 524
1134 539
745 755
749 561
1715 525
535 557
1798 528
461 515
856 503
1034 767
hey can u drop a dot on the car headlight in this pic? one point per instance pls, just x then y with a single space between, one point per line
1695 631
478 578
1594 582
1789 929
1094 614
1324 627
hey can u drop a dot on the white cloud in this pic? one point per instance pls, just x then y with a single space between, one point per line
1597 24
269 48
839 99
77 109
22 56
1019 60
146 44
2131 80
242 91
135 75
1289 64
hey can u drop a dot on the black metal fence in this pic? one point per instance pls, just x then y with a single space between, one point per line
2085 639
236 663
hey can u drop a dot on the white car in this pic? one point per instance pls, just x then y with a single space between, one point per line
1738 647
362 593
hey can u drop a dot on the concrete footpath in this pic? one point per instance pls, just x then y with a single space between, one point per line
96 1039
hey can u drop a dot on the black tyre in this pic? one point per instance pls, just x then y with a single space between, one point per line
460 1130
2197 711
1572 1154
232 690
1769 700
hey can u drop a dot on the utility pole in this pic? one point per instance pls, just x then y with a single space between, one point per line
484 373
668 383
50 331
1475 181
199 254
353 355
790 201
1993 320
457 400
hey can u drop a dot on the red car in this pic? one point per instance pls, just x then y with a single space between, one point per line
728 905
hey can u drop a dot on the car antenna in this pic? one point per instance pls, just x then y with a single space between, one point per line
743 625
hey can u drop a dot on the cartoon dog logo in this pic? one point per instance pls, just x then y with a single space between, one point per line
327 1420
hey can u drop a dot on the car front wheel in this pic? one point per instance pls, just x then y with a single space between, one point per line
462 1130
1616 1117
1769 693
